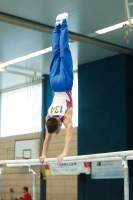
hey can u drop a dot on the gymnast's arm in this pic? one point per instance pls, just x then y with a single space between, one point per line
69 127
45 145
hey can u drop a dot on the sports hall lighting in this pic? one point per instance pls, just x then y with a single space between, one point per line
38 53
114 27
26 57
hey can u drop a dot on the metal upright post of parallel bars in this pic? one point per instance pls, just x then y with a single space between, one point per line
34 182
126 179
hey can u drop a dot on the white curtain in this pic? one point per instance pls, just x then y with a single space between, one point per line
21 110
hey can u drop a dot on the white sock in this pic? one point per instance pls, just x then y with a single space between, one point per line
65 16
60 17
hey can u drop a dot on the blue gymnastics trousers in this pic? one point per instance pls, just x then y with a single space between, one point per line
61 68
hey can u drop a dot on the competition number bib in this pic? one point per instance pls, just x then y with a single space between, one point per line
57 109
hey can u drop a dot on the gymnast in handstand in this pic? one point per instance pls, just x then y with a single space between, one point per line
61 80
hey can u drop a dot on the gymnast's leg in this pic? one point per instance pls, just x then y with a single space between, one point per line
66 65
55 64
61 69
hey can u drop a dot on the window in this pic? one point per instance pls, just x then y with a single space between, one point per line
21 110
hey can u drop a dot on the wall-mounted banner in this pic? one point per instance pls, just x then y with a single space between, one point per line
107 169
72 168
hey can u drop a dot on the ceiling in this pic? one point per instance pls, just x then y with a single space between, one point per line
85 17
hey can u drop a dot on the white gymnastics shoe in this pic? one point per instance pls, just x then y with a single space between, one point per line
64 16
59 18
57 23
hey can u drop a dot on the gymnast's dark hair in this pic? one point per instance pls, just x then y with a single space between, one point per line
52 125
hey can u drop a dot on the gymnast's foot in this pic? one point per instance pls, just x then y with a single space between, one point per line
60 18
64 16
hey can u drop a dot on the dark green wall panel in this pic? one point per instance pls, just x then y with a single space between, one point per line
105 92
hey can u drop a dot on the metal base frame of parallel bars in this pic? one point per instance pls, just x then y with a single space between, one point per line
124 156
